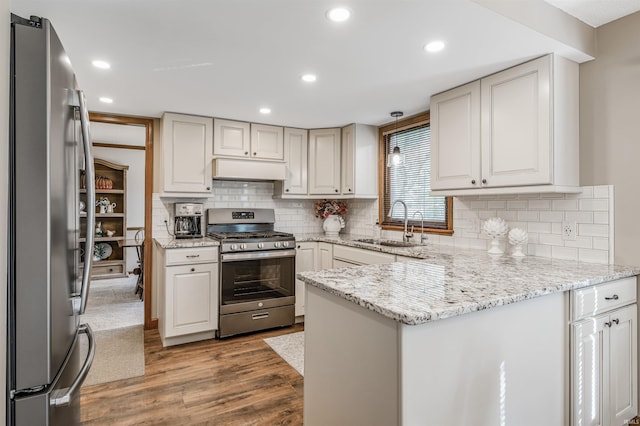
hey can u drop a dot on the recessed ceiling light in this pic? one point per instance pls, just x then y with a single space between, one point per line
265 110
434 46
106 100
101 64
309 78
339 14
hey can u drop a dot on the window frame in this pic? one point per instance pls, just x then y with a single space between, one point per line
405 124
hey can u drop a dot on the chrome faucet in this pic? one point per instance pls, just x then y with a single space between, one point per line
405 234
421 225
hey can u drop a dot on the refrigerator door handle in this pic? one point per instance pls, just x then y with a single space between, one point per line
91 203
62 397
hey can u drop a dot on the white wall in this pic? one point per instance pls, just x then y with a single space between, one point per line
135 159
5 31
610 127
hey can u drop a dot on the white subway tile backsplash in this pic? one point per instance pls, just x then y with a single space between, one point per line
517 205
581 217
539 204
541 215
593 256
551 216
586 229
602 191
558 205
565 253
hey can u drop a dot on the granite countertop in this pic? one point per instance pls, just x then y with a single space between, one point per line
444 281
171 243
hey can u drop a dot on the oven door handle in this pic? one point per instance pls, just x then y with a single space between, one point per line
275 254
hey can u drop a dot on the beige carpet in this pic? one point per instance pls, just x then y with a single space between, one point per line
290 347
116 316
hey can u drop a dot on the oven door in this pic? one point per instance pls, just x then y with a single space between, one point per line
256 280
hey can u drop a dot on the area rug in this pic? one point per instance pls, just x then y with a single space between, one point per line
116 316
119 355
290 347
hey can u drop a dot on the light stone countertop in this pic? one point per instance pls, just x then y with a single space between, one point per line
444 281
172 243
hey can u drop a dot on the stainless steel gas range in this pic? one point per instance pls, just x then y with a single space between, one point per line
257 270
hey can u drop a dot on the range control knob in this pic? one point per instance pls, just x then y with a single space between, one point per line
233 247
276 244
243 246
285 244
260 245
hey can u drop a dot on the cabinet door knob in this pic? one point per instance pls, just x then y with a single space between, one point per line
614 297
298 245
617 321
255 153
336 190
286 190
607 324
193 269
473 181
484 181
208 188
349 189
246 153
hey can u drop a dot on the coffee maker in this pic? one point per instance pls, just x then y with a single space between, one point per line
188 220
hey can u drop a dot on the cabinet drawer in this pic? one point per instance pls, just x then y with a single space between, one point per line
363 257
601 298
186 256
107 271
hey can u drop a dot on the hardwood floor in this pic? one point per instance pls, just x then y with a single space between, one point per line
236 381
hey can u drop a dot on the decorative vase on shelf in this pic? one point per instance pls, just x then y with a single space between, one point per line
517 238
332 225
495 228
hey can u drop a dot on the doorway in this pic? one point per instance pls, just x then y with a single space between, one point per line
130 140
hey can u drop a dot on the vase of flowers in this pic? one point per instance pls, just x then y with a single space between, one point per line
333 212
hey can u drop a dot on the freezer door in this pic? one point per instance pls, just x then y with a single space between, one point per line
60 403
44 199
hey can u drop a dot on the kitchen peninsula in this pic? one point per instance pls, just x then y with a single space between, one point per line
459 337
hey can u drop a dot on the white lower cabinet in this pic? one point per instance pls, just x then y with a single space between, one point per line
306 260
325 256
605 358
188 295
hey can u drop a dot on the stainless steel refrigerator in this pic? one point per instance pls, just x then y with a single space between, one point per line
50 149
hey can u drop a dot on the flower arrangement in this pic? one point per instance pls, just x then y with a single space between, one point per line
325 208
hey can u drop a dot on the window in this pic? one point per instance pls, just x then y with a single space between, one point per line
411 182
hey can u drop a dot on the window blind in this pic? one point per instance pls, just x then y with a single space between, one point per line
411 183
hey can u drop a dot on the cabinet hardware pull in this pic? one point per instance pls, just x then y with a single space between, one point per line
473 181
617 321
246 153
484 181
607 324
191 256
193 269
286 190
255 153
260 316
614 297
298 245
336 190
208 188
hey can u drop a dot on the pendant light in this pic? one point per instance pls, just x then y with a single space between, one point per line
395 158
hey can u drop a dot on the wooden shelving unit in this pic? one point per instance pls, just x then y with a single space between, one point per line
114 265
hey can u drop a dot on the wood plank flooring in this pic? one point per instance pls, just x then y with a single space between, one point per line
236 381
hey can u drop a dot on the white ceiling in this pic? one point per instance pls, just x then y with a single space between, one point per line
597 12
229 58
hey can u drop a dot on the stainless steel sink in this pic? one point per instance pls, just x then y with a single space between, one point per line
388 243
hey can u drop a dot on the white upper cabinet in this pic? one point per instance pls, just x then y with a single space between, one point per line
267 142
186 153
513 131
247 140
296 143
359 167
455 138
231 138
324 161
